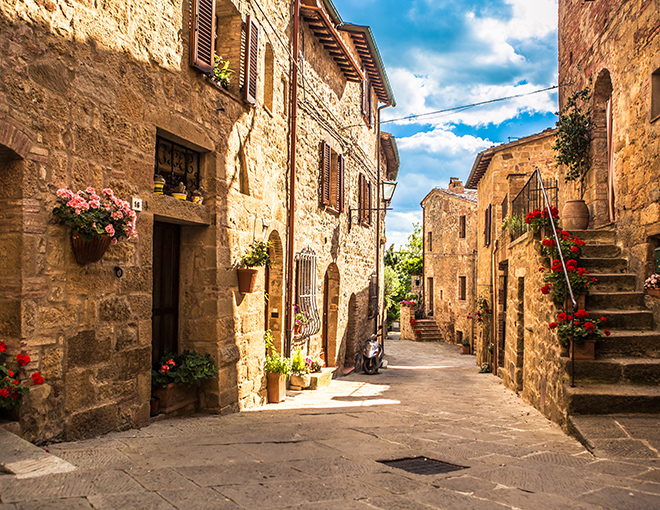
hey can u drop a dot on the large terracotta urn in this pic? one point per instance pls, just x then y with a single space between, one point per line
575 215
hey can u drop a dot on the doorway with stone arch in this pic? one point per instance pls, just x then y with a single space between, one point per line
274 291
330 315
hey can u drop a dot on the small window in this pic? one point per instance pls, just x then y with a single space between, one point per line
430 241
364 200
487 227
306 295
332 179
655 95
177 164
462 288
461 227
269 65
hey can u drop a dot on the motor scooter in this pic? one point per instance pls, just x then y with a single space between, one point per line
370 358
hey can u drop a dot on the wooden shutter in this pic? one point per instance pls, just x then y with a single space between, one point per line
251 61
326 162
202 35
340 183
365 96
368 208
487 228
361 198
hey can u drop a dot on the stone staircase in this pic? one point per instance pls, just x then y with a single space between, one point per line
624 376
429 329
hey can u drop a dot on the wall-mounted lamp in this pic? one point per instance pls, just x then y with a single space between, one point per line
387 192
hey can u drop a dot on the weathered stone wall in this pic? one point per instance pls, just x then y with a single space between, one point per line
89 88
406 313
450 258
616 45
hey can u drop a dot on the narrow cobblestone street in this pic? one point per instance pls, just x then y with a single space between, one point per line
320 449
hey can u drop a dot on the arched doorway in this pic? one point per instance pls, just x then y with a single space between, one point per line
600 178
274 285
330 315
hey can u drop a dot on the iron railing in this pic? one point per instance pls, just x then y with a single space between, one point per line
306 297
531 197
547 207
177 164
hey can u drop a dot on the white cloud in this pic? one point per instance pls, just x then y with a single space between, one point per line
400 226
443 141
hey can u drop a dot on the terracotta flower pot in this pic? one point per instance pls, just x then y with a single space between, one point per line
584 352
247 279
174 396
466 349
653 292
89 251
575 215
276 388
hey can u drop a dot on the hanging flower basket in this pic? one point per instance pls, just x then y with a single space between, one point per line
89 251
247 279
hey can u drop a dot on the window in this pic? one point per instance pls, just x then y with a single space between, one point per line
332 178
461 227
430 241
364 200
655 95
306 293
367 109
177 164
269 65
462 288
487 222
459 337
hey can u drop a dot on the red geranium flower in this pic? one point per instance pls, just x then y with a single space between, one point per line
37 378
575 249
541 269
562 316
589 326
581 313
23 359
545 289
552 325
165 368
3 347
603 319
607 332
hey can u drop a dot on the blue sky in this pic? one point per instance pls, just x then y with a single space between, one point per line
445 53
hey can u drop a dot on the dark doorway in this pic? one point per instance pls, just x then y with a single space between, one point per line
165 312
430 293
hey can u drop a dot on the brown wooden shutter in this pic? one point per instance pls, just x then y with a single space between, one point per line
361 198
487 227
368 209
251 61
202 35
365 95
326 161
340 183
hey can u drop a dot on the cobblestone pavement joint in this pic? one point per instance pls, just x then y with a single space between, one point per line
321 450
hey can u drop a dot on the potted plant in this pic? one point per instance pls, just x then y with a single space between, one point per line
180 192
652 285
159 184
572 143
176 377
256 256
95 221
581 330
540 220
300 318
300 368
555 281
13 386
465 344
277 368
221 73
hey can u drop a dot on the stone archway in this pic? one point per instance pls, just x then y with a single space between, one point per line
600 177
329 347
274 288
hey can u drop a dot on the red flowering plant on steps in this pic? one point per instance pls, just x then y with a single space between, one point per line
12 387
579 327
571 246
538 219
555 281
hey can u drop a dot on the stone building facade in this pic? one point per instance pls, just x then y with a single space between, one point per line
98 96
450 258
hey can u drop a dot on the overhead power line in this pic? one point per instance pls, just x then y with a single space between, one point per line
464 107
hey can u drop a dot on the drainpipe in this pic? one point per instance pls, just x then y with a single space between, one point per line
292 180
378 185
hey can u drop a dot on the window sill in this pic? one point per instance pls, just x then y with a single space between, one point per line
332 210
226 92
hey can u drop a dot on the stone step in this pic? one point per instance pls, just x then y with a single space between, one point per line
627 343
596 236
624 319
601 251
612 398
322 379
616 370
614 282
604 265
620 300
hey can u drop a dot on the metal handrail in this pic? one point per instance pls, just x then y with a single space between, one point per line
563 267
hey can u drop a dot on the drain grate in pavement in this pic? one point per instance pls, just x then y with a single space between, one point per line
422 466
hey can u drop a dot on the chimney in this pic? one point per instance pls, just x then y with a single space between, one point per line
456 186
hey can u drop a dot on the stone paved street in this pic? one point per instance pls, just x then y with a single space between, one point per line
320 450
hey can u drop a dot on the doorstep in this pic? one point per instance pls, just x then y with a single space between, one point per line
25 460
319 380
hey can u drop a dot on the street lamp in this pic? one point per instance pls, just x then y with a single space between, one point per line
387 192
388 188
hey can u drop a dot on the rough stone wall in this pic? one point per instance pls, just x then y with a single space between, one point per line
407 330
451 257
89 88
519 158
617 46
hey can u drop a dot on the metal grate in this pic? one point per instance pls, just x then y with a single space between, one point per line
422 466
176 164
530 198
306 295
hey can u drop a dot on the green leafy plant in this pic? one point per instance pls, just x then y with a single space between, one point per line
466 342
579 327
573 136
221 73
257 255
571 246
555 281
513 224
275 364
299 365
188 368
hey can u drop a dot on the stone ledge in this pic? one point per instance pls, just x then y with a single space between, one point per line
323 379
25 460
177 211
